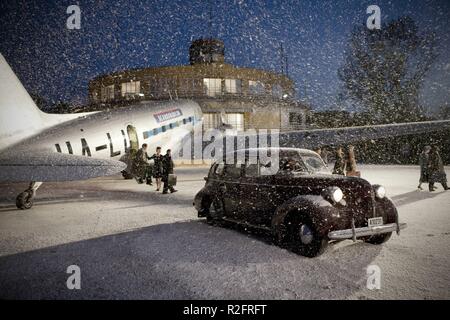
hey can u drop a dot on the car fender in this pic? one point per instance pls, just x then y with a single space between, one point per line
202 201
317 209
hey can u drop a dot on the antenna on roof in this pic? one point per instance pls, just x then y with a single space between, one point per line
282 57
284 61
286 65
210 19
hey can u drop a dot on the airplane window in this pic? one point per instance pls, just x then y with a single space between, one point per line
58 148
163 128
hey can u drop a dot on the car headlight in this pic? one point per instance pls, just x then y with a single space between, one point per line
380 191
333 194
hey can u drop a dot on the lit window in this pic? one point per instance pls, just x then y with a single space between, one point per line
295 118
212 86
233 86
211 121
131 89
236 120
256 87
95 96
107 93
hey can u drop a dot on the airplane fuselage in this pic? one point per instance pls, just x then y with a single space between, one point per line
110 134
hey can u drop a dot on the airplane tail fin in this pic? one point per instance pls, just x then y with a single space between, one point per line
19 115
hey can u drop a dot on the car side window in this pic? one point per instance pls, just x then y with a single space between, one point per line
218 170
233 171
252 170
291 165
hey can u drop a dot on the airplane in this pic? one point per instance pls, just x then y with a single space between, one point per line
37 147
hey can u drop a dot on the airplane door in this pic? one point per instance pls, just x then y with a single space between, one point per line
134 140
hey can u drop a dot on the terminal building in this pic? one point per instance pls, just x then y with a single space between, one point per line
244 98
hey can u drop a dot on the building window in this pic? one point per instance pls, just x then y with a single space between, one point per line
212 86
186 87
256 87
277 91
235 119
107 93
131 89
295 118
211 120
233 86
95 96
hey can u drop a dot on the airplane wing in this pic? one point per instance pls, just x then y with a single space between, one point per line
42 166
342 136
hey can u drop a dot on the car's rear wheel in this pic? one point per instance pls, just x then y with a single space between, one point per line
215 212
304 239
378 238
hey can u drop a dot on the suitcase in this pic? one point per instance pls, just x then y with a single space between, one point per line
172 180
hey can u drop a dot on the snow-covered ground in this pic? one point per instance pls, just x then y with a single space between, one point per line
131 242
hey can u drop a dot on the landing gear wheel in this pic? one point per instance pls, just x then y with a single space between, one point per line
214 215
25 200
305 240
378 238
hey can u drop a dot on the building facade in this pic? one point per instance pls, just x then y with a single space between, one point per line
244 98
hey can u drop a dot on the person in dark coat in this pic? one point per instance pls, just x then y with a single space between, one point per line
350 159
141 169
167 169
157 167
436 169
423 163
339 165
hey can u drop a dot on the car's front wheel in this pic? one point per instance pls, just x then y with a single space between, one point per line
304 238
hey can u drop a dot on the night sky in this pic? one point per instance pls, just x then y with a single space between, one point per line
57 63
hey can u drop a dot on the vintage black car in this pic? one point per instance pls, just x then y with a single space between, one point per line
301 203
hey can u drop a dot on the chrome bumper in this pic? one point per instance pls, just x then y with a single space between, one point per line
365 231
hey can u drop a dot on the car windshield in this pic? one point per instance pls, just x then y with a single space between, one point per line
291 163
314 163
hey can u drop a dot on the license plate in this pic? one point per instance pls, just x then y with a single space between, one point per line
373 222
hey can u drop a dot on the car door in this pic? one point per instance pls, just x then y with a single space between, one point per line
259 195
230 187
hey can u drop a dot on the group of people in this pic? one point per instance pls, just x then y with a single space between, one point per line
431 168
161 169
345 163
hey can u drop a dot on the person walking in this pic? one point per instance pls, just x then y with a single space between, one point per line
350 165
167 169
340 164
423 163
141 169
157 167
436 169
